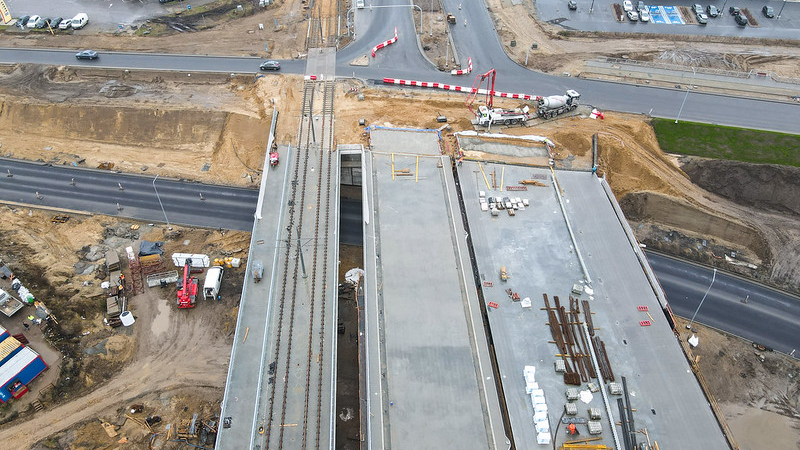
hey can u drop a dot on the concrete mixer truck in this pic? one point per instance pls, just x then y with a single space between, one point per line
558 104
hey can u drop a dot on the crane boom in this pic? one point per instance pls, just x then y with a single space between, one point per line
489 77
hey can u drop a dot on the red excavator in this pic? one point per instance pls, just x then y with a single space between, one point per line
187 288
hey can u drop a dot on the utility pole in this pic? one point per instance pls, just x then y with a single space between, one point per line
162 205
691 322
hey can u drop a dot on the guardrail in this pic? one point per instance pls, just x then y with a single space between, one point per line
704 70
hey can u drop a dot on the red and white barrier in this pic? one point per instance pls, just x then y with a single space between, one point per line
464 89
310 77
384 44
462 71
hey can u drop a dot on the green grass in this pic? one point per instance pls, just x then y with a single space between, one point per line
721 142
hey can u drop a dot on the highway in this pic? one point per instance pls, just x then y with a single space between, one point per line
98 191
770 317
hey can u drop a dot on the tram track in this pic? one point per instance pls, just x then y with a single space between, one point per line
306 300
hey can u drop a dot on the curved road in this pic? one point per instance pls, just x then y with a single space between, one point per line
479 40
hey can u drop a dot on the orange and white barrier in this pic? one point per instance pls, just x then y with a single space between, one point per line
463 71
464 89
384 44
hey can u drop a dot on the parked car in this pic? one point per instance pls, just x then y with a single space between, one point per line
627 5
165 1
633 16
32 21
53 22
697 9
734 10
641 6
644 15
768 11
80 21
86 54
22 21
741 20
712 11
572 4
41 23
270 64
65 24
702 18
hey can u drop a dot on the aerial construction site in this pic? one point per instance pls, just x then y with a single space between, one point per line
301 257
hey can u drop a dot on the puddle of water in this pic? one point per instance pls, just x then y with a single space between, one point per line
161 320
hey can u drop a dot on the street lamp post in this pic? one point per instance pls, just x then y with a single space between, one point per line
781 11
162 205
685 96
691 322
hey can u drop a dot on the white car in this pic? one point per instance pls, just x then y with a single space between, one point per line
32 21
627 5
65 24
632 16
644 15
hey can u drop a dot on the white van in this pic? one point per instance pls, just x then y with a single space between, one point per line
212 282
80 21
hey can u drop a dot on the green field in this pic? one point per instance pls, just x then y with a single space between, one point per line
720 142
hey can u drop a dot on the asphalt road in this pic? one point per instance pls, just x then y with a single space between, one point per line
98 191
478 40
769 317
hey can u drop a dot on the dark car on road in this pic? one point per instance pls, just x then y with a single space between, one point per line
741 20
270 64
572 4
768 11
86 54
55 21
22 21
712 11
734 10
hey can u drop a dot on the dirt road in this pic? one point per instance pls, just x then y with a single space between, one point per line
174 349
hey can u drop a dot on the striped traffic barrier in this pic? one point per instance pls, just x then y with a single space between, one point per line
384 44
463 71
464 89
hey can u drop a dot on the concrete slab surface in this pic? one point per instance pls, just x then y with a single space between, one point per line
429 378
538 252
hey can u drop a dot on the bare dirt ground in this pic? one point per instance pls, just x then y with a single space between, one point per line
170 359
758 391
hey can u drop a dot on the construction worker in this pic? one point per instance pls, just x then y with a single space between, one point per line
572 429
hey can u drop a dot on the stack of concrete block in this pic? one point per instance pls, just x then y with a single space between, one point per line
540 420
595 427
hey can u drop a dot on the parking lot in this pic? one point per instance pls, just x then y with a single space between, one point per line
599 15
103 15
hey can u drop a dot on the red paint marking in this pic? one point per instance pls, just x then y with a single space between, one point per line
645 323
643 308
494 305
